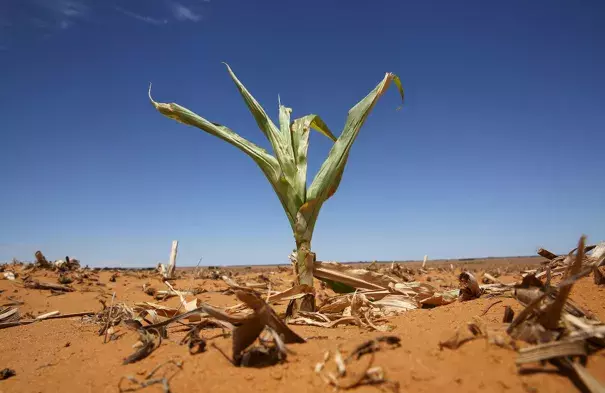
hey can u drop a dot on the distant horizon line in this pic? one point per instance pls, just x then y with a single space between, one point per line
289 264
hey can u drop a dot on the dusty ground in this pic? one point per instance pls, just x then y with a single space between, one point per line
68 355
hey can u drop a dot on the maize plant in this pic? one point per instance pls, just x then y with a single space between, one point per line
286 170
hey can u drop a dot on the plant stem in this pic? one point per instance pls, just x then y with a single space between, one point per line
304 267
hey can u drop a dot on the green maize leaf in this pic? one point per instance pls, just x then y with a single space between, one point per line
328 178
287 170
284 125
267 163
279 141
261 117
297 191
300 131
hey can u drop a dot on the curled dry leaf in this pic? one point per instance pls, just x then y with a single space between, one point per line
193 340
148 345
469 287
357 368
250 327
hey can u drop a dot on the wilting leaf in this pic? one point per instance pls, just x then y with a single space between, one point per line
300 131
330 174
287 170
267 163
279 140
325 180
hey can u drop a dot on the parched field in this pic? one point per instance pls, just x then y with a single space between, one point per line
69 355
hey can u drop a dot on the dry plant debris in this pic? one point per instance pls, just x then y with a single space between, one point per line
43 317
7 373
552 328
558 331
469 287
35 284
169 272
41 261
151 321
593 258
63 279
374 297
9 314
147 343
358 368
60 264
472 331
150 379
193 340
561 335
248 328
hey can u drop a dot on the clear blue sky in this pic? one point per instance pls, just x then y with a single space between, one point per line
498 150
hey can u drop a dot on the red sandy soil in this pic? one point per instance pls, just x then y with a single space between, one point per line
67 355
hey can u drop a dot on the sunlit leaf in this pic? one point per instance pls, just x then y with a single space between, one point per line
267 163
279 141
300 131
327 179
